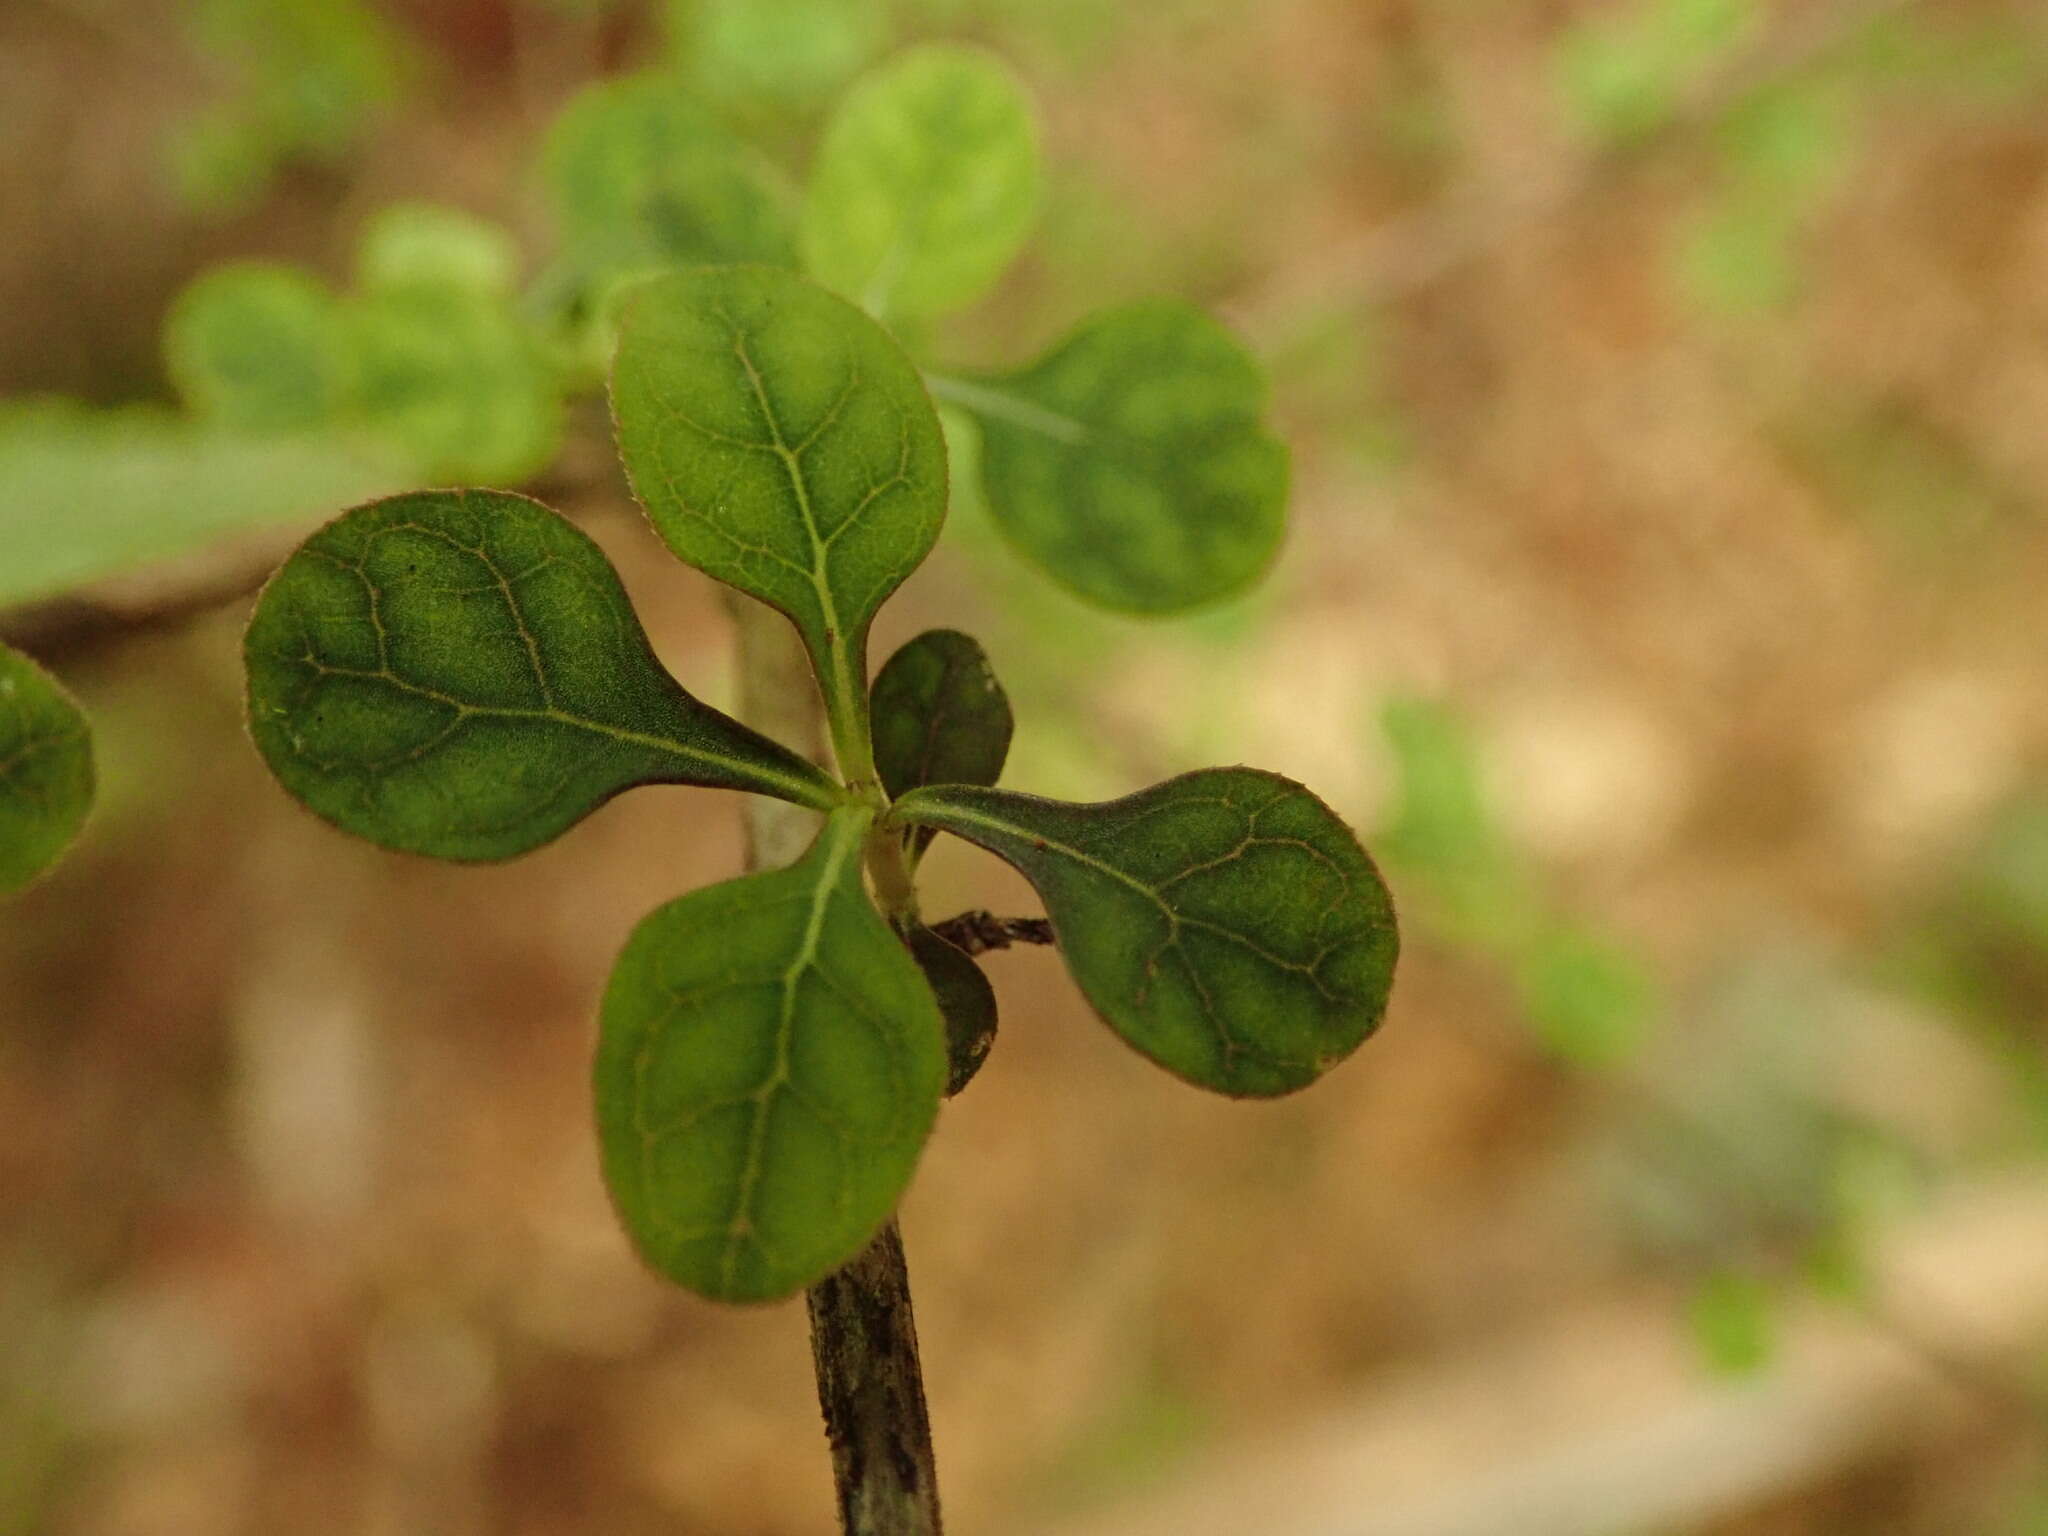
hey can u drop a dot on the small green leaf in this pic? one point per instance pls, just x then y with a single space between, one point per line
782 443
781 50
1225 923
46 770
427 245
1733 1323
259 347
769 1065
1590 1000
966 1001
641 176
459 673
926 183
452 379
940 717
1131 462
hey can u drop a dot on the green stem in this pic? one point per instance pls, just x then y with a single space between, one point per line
863 1332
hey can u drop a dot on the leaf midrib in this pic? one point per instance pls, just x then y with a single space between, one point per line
843 833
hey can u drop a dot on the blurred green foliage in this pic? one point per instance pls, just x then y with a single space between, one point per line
95 493
1733 1319
300 81
1588 998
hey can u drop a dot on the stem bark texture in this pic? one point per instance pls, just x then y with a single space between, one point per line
863 1336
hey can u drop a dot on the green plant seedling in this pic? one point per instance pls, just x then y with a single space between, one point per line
46 771
459 673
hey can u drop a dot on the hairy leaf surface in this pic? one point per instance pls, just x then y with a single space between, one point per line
459 673
46 770
1131 462
1225 923
769 1065
926 184
781 442
641 176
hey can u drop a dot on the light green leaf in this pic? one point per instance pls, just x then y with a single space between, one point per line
781 50
260 347
641 176
93 494
46 770
1589 1000
782 443
769 1065
427 245
1131 462
925 185
452 380
940 717
1733 1318
1225 923
966 1001
459 673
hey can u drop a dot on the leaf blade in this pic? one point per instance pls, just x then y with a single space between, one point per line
47 774
940 716
782 443
1131 463
460 674
927 183
764 1044
1225 923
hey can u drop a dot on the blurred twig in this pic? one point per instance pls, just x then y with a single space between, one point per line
976 933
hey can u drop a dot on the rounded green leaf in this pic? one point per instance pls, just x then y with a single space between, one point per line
427 245
925 185
46 770
459 673
1131 462
782 50
640 176
451 379
940 716
769 1064
259 347
782 442
1225 923
966 1001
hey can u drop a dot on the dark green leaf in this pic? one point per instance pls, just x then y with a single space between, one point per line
769 1064
782 443
966 1001
1131 462
260 347
641 176
1225 923
94 493
46 770
459 673
926 183
940 717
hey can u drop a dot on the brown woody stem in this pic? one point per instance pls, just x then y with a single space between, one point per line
863 1336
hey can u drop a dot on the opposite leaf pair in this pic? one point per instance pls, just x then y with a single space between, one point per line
460 674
